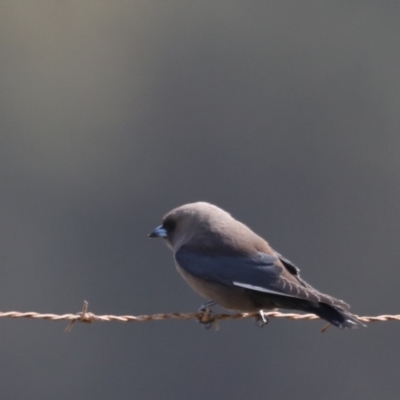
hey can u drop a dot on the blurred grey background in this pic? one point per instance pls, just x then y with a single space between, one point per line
285 113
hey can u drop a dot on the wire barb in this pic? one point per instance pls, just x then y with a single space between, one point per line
83 316
88 317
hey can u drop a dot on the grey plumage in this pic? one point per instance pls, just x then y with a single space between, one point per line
226 262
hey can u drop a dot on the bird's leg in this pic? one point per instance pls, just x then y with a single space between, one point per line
207 318
261 319
204 306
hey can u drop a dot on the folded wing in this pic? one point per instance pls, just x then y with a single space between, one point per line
261 272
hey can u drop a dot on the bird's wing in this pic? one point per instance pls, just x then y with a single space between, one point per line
295 271
291 267
261 272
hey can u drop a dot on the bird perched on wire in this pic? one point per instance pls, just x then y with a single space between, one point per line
227 263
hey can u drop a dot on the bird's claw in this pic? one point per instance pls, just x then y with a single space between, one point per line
261 319
206 315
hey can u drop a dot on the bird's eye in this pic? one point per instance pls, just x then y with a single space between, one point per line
169 225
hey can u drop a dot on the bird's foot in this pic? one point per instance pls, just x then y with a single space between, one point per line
206 315
261 319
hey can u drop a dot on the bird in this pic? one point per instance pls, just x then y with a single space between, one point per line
228 264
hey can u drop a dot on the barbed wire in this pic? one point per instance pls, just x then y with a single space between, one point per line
205 317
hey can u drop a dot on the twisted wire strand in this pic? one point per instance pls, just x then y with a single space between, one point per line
205 317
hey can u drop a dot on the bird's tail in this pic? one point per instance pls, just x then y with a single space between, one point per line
337 316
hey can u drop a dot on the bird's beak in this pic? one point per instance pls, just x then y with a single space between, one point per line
158 232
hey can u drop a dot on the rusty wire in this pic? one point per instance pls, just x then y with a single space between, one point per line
205 317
